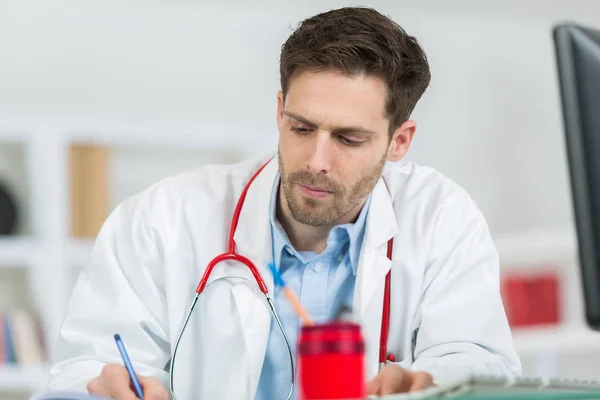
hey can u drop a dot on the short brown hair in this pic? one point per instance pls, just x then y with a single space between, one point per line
355 41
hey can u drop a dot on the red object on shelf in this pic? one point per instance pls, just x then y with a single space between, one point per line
546 291
515 297
531 299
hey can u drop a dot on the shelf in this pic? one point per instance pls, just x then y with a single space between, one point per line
23 378
13 136
206 135
562 340
79 251
173 140
537 247
19 252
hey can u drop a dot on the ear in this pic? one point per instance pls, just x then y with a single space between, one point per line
280 108
401 140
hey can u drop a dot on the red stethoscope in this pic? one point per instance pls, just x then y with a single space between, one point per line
232 255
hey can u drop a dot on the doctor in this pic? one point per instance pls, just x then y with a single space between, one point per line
323 210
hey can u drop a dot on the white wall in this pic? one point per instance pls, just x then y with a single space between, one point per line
490 120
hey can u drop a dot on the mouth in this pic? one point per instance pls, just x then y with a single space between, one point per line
313 191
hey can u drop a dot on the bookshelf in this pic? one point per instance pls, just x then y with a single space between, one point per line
44 249
35 159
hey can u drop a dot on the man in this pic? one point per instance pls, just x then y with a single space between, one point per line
323 212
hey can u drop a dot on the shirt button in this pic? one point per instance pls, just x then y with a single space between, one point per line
319 267
340 257
289 251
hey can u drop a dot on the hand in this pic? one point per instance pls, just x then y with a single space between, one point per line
395 379
114 383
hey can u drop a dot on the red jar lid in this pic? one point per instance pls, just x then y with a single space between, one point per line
340 337
332 326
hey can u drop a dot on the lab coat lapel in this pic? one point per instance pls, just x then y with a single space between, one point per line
253 240
373 266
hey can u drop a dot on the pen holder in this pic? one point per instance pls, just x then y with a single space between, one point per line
331 361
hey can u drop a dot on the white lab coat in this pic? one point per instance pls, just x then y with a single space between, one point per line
447 317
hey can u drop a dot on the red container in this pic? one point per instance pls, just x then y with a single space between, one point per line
331 361
532 298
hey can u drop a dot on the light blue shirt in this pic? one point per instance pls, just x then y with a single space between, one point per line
323 282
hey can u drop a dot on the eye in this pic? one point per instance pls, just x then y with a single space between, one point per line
349 142
300 130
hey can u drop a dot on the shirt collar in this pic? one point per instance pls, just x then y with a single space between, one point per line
354 232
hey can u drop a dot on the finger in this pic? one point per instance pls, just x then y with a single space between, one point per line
421 380
395 382
118 382
374 386
93 386
153 389
99 386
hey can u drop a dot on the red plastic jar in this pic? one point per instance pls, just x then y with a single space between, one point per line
331 361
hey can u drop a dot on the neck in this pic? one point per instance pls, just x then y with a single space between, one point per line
305 237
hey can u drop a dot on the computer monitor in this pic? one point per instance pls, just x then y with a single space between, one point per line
577 50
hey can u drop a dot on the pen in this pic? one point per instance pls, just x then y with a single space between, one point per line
291 296
129 367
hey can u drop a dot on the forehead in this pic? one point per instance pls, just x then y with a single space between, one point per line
329 97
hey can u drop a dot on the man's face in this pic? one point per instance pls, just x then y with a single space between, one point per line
333 144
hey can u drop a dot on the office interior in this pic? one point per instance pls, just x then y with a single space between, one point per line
133 91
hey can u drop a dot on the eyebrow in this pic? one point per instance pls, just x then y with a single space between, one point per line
340 129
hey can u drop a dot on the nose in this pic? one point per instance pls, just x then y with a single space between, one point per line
321 156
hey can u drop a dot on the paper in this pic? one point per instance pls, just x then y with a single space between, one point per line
67 396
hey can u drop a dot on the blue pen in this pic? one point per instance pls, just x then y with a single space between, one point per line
291 296
129 367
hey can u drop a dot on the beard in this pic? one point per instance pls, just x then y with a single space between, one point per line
317 212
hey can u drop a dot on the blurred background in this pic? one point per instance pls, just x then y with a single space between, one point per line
100 99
